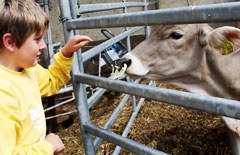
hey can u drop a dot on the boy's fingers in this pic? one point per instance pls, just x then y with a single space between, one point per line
84 38
83 43
61 149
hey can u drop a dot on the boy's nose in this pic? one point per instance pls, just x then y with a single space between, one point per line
42 45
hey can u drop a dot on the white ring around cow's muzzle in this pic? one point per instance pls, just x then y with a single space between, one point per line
136 67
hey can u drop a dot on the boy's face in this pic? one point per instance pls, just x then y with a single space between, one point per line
29 53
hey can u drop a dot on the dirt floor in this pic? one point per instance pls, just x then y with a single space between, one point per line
171 129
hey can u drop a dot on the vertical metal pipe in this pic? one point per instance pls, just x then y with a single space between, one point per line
157 4
133 97
79 89
49 35
125 10
147 28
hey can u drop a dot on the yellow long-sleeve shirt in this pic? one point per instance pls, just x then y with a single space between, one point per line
22 119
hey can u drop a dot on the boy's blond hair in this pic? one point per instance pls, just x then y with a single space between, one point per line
21 18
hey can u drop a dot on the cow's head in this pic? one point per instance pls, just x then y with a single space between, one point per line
172 51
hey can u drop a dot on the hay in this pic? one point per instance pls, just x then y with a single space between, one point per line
174 130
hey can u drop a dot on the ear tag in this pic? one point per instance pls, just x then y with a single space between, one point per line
227 48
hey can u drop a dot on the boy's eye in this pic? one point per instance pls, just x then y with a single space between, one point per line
38 38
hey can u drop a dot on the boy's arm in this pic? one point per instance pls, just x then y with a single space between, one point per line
39 148
58 74
8 142
51 80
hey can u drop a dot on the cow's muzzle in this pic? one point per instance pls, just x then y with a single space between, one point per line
120 62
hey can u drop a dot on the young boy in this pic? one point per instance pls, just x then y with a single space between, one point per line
23 81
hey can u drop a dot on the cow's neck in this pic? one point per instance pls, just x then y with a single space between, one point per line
217 76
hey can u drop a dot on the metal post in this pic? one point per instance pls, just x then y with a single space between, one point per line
79 89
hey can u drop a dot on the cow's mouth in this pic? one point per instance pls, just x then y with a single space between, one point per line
120 62
119 68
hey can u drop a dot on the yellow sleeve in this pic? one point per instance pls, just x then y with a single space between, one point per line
40 148
8 143
11 128
51 80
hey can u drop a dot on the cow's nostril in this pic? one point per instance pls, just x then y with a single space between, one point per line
120 62
127 62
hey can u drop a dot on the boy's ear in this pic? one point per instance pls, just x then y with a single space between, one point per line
8 41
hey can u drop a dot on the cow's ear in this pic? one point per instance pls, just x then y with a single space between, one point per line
224 39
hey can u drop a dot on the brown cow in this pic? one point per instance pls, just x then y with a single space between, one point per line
190 56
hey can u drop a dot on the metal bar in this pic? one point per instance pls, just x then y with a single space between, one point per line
96 95
87 8
63 114
147 28
65 14
125 10
97 49
49 34
122 141
59 104
65 89
79 89
215 105
131 121
128 127
223 12
133 97
113 117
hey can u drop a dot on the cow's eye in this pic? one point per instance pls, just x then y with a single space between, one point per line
176 35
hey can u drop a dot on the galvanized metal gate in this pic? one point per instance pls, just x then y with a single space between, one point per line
70 10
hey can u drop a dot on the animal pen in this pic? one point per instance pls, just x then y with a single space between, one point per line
73 23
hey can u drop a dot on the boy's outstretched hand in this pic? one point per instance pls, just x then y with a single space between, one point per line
77 42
